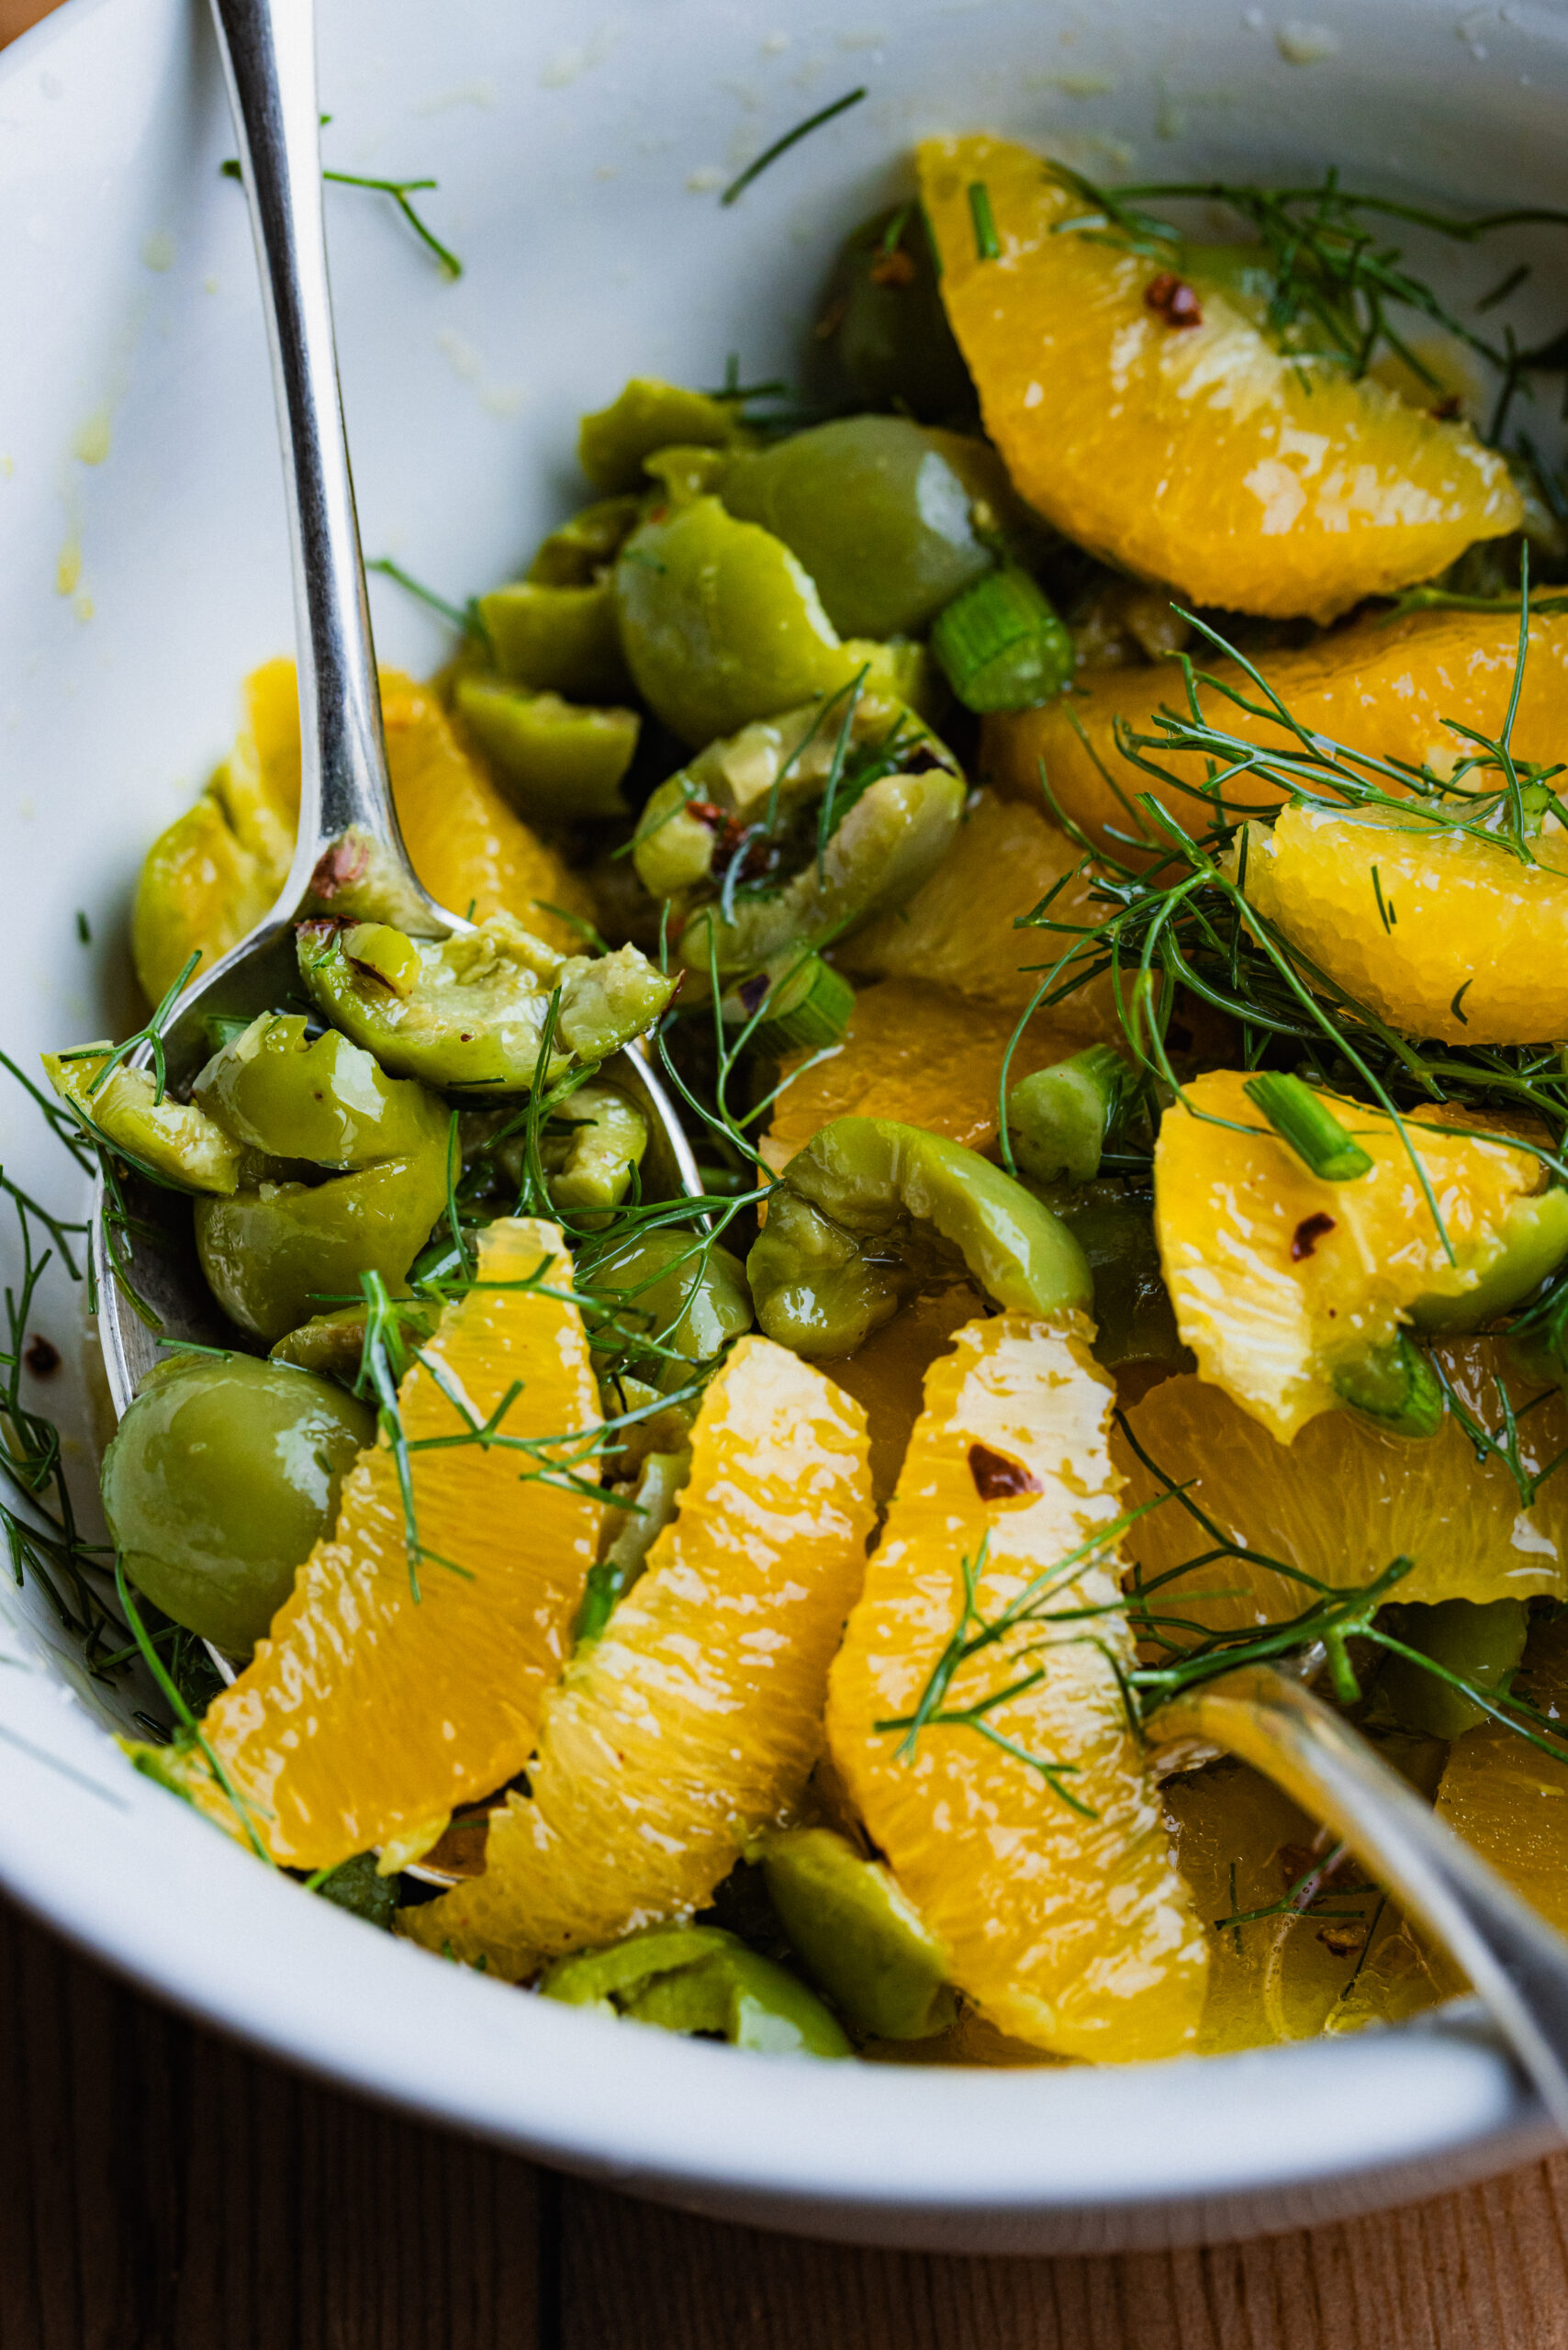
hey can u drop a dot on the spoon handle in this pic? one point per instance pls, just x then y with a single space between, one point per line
269 61
1515 1962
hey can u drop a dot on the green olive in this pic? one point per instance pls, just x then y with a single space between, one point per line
698 1979
882 328
856 1218
326 1101
577 553
649 415
679 1288
224 1474
333 1345
858 1935
721 623
472 1010
175 1143
805 869
559 762
278 1254
891 519
563 640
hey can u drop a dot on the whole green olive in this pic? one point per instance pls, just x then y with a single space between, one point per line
326 1101
892 519
882 331
224 1473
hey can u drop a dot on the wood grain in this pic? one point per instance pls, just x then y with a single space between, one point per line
15 15
162 2190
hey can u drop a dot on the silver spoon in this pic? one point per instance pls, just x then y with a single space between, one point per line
349 846
1517 1965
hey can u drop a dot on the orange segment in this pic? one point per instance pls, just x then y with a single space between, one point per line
1202 456
367 1715
958 930
218 869
1073 1933
1384 688
1456 938
1277 1277
692 1723
916 1053
1510 1800
1345 1499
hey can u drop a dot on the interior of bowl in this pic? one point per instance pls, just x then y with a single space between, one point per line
579 161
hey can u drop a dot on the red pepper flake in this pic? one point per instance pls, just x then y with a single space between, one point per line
997 1479
1447 408
339 867
42 1357
1173 299
893 269
1308 1232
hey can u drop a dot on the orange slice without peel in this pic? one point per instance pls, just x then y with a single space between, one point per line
218 867
1073 1933
368 1715
1250 478
1278 1278
692 1722
1384 688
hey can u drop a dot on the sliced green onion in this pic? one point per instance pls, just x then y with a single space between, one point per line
986 245
1301 1117
1002 644
804 1002
1058 1118
1395 1386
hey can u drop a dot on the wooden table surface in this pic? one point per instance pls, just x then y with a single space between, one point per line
161 2189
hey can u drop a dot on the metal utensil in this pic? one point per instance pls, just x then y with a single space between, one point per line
1517 1965
347 821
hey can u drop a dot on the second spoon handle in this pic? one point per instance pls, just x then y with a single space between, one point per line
1517 1965
269 61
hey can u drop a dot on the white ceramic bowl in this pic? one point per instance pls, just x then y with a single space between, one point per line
578 155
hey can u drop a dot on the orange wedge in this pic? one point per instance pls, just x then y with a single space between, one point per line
1455 937
1279 1279
1202 456
916 1053
1345 1498
218 869
369 1714
1068 1923
1384 688
693 1721
959 932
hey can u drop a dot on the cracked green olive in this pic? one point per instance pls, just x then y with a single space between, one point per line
472 1010
722 624
854 1214
223 1475
614 442
858 1935
323 1100
698 1979
176 1144
278 1254
891 520
559 762
882 329
754 856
